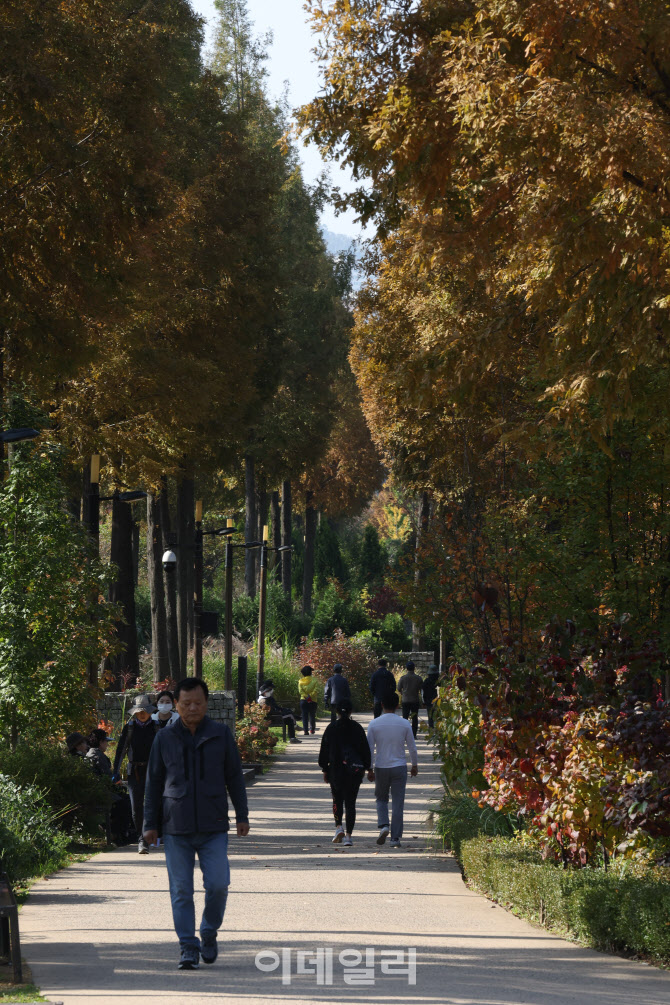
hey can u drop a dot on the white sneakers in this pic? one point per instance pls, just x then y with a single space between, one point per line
339 834
348 841
383 834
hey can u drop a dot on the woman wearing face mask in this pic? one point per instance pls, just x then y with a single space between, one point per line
166 712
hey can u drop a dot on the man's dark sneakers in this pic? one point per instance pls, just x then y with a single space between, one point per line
190 958
209 950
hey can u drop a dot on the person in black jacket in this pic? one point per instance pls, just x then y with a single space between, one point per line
429 692
136 741
344 758
382 683
194 765
337 689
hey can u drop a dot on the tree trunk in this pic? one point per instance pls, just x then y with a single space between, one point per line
250 525
419 574
136 549
276 534
122 591
310 538
170 584
159 648
185 584
286 535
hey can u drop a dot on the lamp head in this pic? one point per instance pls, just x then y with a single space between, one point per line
169 561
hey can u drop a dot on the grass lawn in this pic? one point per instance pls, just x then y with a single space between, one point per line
25 992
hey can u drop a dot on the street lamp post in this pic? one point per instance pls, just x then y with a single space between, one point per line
226 532
228 646
263 587
262 606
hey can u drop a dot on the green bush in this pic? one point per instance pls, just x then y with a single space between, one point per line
394 634
624 908
30 841
77 797
336 609
460 817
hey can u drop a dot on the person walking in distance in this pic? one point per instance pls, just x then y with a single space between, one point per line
194 766
337 688
382 682
308 688
388 736
429 691
136 740
344 758
410 686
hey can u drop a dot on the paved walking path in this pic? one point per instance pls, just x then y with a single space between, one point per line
100 932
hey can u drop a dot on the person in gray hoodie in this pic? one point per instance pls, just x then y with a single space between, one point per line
193 766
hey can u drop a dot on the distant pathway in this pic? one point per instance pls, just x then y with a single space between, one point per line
100 932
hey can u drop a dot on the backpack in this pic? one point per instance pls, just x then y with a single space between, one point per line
351 762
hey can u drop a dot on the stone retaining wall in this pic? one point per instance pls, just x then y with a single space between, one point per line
110 707
421 661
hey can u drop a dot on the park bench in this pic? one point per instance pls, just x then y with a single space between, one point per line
278 720
10 945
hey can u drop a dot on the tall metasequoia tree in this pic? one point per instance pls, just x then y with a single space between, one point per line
75 147
122 592
423 518
525 147
311 520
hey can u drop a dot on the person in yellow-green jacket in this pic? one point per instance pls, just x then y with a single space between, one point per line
309 694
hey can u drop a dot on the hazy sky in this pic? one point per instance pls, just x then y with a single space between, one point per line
291 60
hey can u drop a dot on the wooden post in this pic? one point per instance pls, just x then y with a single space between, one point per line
241 685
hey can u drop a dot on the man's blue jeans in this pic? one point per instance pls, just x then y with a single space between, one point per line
395 781
212 851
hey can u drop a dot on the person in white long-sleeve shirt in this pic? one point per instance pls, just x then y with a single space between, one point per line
388 736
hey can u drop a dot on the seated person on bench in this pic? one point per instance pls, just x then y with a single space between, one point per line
266 697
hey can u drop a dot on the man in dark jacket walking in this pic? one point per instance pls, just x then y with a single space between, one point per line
382 683
336 690
194 763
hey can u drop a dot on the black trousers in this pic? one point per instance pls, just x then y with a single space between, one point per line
308 709
377 708
345 791
136 781
411 708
